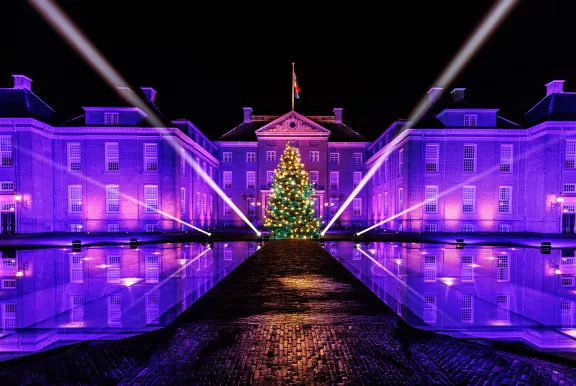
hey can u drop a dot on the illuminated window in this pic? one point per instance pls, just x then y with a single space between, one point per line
469 199
334 158
151 198
250 180
6 151
429 314
334 180
182 200
356 178
112 155
506 153
467 269
152 309
112 199
75 198
314 156
429 268
227 157
271 156
227 177
467 309
74 157
357 207
250 157
470 120
357 158
570 155
314 179
432 157
431 203
152 273
469 158
504 199
151 157
111 118
113 269
114 311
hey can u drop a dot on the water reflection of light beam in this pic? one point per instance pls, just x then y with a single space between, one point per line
62 24
480 35
103 186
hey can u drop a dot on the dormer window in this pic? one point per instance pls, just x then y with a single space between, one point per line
111 118
470 120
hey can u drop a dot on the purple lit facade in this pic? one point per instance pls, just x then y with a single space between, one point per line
462 168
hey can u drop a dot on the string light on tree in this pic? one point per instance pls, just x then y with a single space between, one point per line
290 212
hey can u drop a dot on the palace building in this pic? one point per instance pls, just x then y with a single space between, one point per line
459 168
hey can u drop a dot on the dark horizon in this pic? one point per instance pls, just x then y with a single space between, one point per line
206 68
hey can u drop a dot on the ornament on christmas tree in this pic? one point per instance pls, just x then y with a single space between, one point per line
290 212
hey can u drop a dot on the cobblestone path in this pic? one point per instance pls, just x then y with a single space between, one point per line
291 314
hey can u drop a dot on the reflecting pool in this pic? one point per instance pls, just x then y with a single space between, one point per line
55 297
485 292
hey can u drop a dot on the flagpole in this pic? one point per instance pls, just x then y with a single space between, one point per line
292 86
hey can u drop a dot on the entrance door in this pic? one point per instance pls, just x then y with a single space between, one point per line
8 221
568 220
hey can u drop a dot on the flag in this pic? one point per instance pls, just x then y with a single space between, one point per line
296 87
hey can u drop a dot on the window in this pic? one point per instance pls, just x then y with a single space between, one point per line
357 207
315 156
8 284
314 179
112 199
228 254
504 199
182 200
400 162
113 228
250 157
6 150
152 309
503 268
429 268
113 269
111 118
430 227
77 310
211 205
400 199
334 158
8 263
569 159
114 311
269 178
429 314
386 170
566 314
227 209
502 308
432 157
250 180
152 274
431 199
467 269
378 211
76 268
9 317
333 206
6 186
227 157
469 158
74 157
151 198
357 158
182 162
564 282
334 180
468 228
470 119
151 157
569 188
197 206
271 156
386 204
469 199
112 155
227 177
506 158
210 172
503 227
75 198
567 257
467 309
356 178
75 228
198 165
151 228
204 205
204 170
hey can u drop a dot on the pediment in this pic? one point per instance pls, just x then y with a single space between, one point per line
293 125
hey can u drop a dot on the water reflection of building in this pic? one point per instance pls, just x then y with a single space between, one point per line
486 292
52 297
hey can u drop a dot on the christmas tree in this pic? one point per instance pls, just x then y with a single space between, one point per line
290 211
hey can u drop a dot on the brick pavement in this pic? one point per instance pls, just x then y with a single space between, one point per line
291 314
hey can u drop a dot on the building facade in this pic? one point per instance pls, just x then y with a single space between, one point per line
114 169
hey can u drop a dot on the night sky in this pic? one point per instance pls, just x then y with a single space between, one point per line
207 63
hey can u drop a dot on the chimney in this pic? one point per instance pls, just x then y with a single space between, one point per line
247 114
149 93
554 86
434 94
337 115
458 94
21 81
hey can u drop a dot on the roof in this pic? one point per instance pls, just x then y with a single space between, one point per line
23 103
553 107
339 132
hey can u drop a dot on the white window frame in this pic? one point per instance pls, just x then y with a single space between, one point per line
334 158
386 204
75 227
74 157
152 309
151 199
6 151
429 313
182 200
151 157
470 120
270 178
76 268
314 156
468 228
333 206
506 158
197 208
357 207
314 178
8 284
111 118
6 186
505 199
430 268
271 156
503 308
227 157
112 199
400 200
9 317
75 199
431 227
114 305
469 199
227 180
112 156
570 154
431 199
356 179
250 157
204 205
113 228
569 188
113 274
567 281
386 171
182 162
467 269
469 163
400 162
467 308
566 314
432 160
503 268
357 158
76 310
251 180
334 180
152 268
